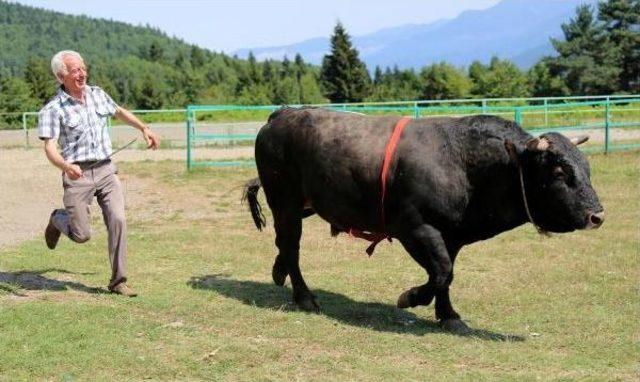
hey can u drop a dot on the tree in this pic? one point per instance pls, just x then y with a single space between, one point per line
197 57
444 81
300 66
268 72
40 79
310 92
544 84
300 69
148 94
501 78
286 92
155 52
15 97
396 84
253 72
588 61
343 75
377 75
621 19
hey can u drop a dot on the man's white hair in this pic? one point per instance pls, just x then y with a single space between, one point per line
57 63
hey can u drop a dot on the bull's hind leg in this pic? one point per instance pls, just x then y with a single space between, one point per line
279 271
288 226
427 247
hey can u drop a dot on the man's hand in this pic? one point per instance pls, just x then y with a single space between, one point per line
153 141
73 171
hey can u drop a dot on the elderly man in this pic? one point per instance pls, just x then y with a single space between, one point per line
76 118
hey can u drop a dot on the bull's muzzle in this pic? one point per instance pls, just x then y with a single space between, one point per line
594 220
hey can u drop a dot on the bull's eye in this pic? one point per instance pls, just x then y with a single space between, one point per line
558 172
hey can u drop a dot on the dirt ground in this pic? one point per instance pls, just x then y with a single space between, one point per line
30 187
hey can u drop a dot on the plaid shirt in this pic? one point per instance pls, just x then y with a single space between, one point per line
81 129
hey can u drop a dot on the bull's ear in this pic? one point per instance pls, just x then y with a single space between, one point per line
537 144
579 140
512 150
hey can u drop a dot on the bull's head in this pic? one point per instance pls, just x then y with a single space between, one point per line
558 184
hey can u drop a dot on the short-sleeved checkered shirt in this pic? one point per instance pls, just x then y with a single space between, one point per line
81 129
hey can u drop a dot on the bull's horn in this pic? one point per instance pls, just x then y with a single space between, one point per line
537 144
579 140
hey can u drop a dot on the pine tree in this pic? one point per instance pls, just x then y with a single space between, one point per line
253 72
155 53
343 75
300 70
621 19
377 75
588 61
197 57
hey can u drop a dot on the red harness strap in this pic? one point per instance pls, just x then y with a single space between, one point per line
376 237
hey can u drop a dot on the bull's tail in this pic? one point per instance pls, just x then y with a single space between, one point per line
250 194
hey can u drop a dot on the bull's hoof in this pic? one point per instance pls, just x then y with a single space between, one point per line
455 325
408 299
279 275
404 301
308 305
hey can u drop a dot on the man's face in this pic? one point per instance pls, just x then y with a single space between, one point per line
75 78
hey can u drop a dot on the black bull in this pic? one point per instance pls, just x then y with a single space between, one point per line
452 182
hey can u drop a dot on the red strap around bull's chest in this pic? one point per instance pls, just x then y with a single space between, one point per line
392 144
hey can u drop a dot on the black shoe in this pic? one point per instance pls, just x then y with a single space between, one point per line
52 234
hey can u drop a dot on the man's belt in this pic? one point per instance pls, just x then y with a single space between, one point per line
87 164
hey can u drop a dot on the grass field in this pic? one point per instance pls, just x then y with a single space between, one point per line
560 308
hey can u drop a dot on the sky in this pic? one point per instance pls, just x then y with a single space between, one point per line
229 25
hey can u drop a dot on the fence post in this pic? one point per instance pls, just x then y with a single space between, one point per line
189 126
546 114
484 106
518 116
607 121
26 131
416 110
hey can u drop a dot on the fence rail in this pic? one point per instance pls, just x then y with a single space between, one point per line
615 119
598 117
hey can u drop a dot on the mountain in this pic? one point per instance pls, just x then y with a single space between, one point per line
517 30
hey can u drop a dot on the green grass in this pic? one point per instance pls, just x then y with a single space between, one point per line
561 308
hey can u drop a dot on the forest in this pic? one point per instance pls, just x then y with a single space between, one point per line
143 68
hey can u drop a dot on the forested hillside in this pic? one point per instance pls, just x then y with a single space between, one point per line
143 68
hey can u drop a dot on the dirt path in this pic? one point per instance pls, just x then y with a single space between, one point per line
30 187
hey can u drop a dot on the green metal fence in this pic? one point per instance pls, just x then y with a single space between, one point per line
613 122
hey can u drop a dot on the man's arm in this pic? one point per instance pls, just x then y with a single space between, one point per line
153 141
73 171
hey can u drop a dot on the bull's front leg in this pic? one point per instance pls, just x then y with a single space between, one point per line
427 247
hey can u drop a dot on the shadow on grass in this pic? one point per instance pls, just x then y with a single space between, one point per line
371 315
34 280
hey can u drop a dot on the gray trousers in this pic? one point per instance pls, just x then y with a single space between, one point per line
75 222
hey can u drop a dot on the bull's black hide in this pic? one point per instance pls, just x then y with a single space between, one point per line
452 182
